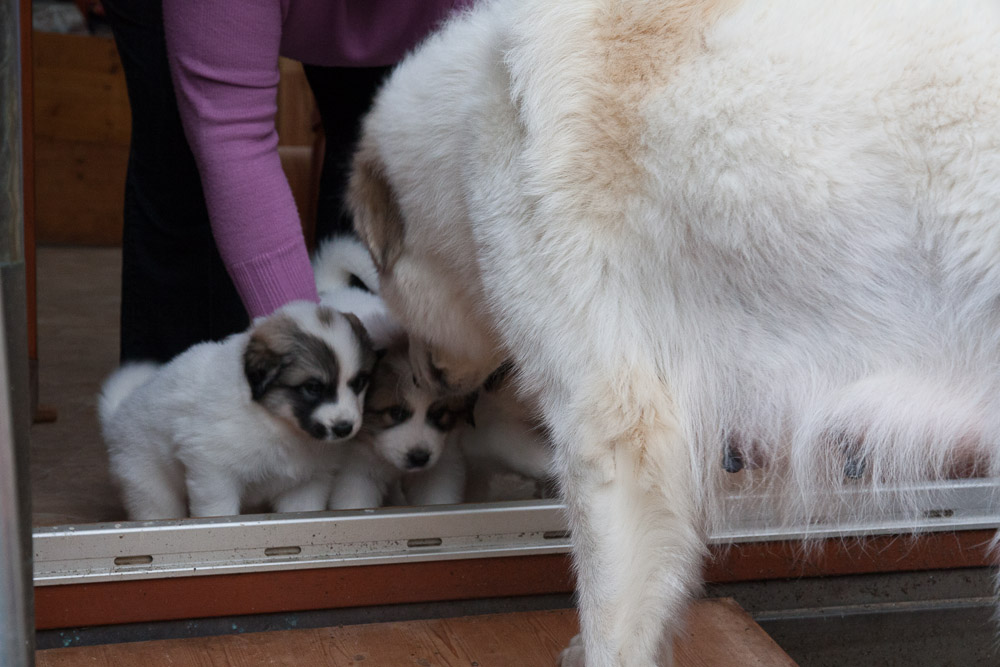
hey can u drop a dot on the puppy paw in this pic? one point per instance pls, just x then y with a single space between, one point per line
572 655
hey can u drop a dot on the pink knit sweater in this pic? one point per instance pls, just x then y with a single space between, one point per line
224 60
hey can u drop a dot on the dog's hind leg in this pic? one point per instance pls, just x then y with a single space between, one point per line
212 492
360 483
637 548
310 496
156 494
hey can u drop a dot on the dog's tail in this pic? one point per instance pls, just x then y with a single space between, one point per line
344 262
120 385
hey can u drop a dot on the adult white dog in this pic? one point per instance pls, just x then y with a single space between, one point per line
765 228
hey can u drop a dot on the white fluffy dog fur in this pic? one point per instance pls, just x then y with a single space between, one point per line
694 226
346 280
255 419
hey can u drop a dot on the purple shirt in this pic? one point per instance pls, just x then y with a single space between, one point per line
224 60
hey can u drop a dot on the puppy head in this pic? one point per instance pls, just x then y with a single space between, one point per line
409 424
310 366
430 283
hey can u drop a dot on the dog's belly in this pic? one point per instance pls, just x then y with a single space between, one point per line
810 254
836 348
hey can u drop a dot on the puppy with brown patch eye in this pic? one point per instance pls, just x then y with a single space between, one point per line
406 450
257 419
314 379
393 415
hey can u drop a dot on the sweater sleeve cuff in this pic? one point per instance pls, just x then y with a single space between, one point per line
269 281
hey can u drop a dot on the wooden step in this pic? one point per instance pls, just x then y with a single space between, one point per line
719 633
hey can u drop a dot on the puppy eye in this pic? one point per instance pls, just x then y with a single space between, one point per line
311 389
359 382
397 414
443 420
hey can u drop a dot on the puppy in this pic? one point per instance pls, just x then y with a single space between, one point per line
508 454
405 451
346 280
257 418
698 223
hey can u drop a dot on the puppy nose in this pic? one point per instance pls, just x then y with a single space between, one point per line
343 429
417 458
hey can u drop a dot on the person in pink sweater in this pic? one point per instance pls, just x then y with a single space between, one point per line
207 205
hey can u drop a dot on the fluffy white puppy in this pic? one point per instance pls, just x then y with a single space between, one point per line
254 419
701 227
346 279
405 452
508 454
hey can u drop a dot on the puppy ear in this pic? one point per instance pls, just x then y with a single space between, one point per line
377 218
265 355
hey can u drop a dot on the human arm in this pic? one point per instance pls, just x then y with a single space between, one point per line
224 62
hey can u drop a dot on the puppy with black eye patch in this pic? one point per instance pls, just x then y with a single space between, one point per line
406 451
258 419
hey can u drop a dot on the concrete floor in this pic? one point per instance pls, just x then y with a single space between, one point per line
78 303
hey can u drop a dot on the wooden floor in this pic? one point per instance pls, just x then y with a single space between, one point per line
719 634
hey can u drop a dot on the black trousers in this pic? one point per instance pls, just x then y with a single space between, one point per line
343 95
175 289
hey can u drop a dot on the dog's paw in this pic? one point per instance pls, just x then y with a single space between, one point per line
572 655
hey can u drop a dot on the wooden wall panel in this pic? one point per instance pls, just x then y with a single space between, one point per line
80 91
81 130
80 190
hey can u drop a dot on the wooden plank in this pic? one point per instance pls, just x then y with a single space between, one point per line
80 190
81 605
720 632
717 633
81 134
297 121
79 87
